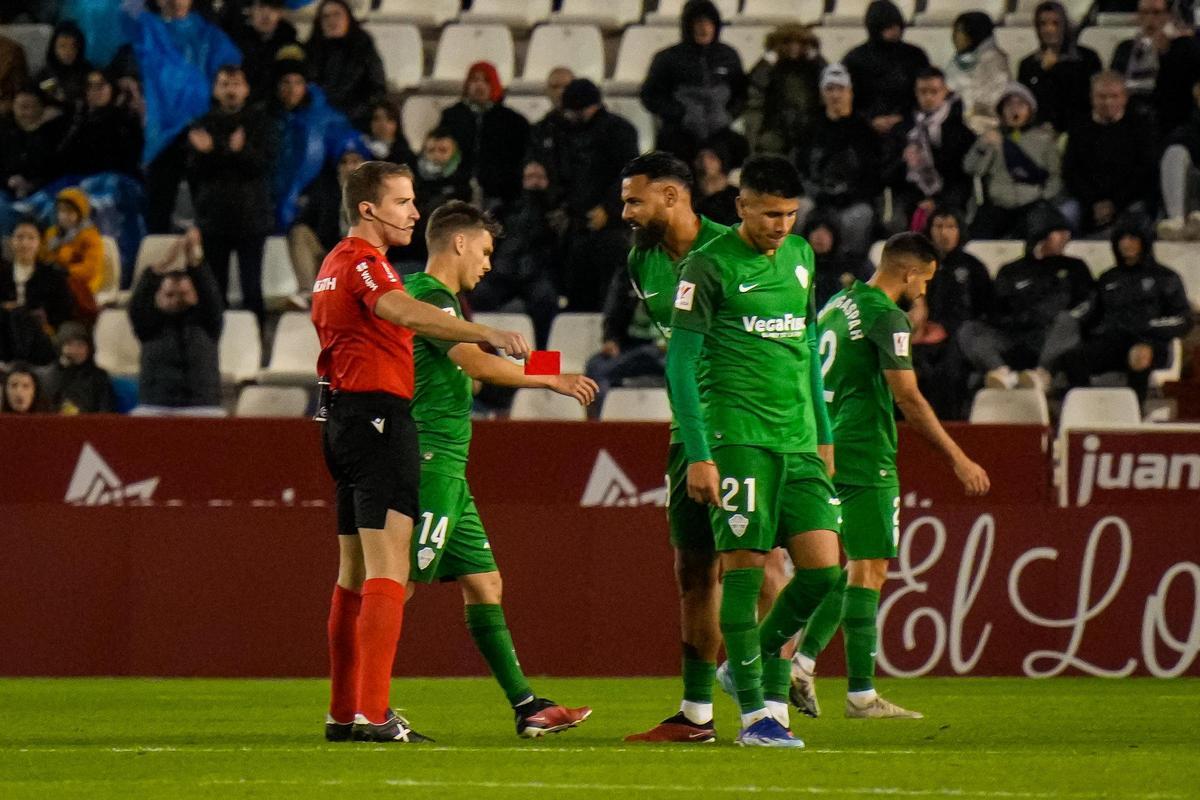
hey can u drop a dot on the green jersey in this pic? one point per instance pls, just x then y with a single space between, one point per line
863 333
441 404
654 277
756 382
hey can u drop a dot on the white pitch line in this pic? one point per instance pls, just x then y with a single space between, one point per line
358 748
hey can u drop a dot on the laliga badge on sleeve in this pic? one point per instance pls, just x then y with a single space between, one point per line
543 362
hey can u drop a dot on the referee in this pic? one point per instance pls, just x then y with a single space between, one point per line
365 322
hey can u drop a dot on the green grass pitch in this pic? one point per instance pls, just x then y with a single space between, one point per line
982 738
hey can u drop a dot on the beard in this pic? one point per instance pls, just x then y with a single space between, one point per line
651 235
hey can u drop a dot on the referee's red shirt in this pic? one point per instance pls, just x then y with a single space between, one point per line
360 352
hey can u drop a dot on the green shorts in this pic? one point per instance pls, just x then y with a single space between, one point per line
870 521
448 538
766 497
688 520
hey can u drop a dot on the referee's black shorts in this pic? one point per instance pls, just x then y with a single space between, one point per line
370 443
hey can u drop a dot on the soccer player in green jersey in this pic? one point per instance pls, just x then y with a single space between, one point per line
449 542
866 357
746 391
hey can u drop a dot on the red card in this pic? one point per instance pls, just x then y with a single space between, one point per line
543 362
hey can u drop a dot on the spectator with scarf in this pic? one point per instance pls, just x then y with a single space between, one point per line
343 61
979 71
1060 70
1020 165
1160 64
491 136
884 68
386 138
64 78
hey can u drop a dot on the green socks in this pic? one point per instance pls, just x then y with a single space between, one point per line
739 601
791 610
698 677
824 622
858 621
490 632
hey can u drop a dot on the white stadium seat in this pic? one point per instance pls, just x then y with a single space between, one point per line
1097 254
541 404
578 336
995 253
420 115
779 12
636 405
110 285
748 40
427 13
1105 40
271 401
462 45
1017 41
638 45
278 276
240 348
935 41
1010 407
402 52
1181 257
34 39
117 348
852 12
1099 408
837 41
520 323
608 14
943 12
513 13
294 352
153 250
668 11
530 106
579 47
631 108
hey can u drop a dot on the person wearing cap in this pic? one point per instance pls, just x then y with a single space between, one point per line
493 137
697 88
259 36
785 96
597 147
74 384
74 243
1037 307
1020 165
843 169
884 68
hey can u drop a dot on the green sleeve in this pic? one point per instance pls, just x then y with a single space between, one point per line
446 302
816 379
698 295
892 337
683 358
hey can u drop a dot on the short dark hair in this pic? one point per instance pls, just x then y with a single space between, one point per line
26 220
929 73
442 133
364 183
230 69
773 175
658 166
457 216
908 246
390 108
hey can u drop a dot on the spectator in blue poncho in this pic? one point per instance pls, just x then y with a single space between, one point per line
178 53
311 134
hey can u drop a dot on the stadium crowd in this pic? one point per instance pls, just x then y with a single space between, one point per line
259 123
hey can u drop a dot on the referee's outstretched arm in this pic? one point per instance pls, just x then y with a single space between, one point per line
425 320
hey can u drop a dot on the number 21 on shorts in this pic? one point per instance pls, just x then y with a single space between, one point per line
731 488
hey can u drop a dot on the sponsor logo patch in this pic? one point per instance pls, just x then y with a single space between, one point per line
738 524
685 295
425 557
900 343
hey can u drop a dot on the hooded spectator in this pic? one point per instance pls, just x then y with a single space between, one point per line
697 88
438 179
386 138
14 72
28 144
842 174
785 94
1039 300
714 196
29 283
979 73
884 68
1140 307
74 245
73 383
492 137
925 165
260 36
103 136
343 61
1160 64
1180 170
64 77
961 290
546 135
1119 141
1020 165
1059 72
834 270
22 392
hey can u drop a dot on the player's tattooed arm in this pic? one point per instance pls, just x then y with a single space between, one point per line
499 371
